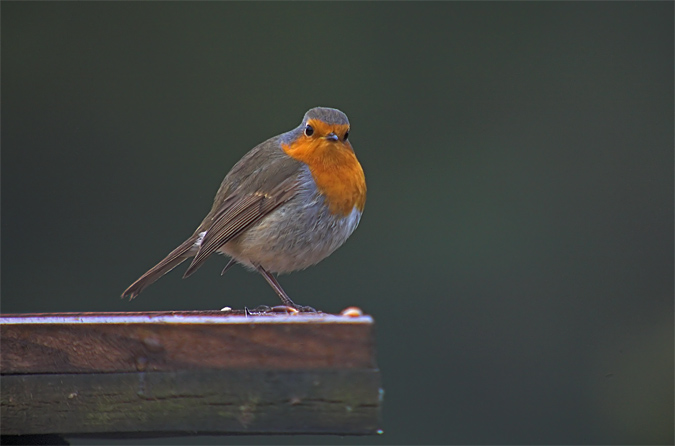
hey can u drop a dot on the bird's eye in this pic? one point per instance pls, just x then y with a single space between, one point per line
309 131
346 135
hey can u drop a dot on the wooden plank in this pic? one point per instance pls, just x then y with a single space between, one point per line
173 373
203 402
129 342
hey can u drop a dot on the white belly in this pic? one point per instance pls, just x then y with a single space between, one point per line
298 234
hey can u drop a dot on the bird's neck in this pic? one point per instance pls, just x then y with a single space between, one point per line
335 170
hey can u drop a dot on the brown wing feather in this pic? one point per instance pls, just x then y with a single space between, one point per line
237 215
244 197
175 258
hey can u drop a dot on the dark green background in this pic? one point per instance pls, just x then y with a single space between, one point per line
516 249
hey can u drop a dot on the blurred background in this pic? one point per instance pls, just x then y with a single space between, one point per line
516 249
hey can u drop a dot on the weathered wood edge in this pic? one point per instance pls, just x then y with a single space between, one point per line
179 317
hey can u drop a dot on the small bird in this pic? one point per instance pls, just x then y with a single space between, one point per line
286 205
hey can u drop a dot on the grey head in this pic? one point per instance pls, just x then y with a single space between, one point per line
327 115
330 116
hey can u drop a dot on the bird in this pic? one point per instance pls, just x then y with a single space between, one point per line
287 204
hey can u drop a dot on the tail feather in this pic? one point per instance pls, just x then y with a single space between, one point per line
175 258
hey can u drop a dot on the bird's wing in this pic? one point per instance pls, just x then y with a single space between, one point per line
237 213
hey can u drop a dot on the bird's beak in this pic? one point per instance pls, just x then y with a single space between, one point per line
332 136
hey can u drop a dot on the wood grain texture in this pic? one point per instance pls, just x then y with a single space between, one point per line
193 402
129 342
187 373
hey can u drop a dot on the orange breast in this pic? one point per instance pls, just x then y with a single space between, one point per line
335 169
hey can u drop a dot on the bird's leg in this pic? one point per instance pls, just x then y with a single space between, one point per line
281 293
276 287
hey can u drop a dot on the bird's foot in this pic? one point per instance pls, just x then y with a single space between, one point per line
293 309
304 309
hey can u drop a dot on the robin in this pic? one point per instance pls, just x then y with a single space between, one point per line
286 205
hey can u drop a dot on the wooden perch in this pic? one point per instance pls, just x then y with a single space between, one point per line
179 373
